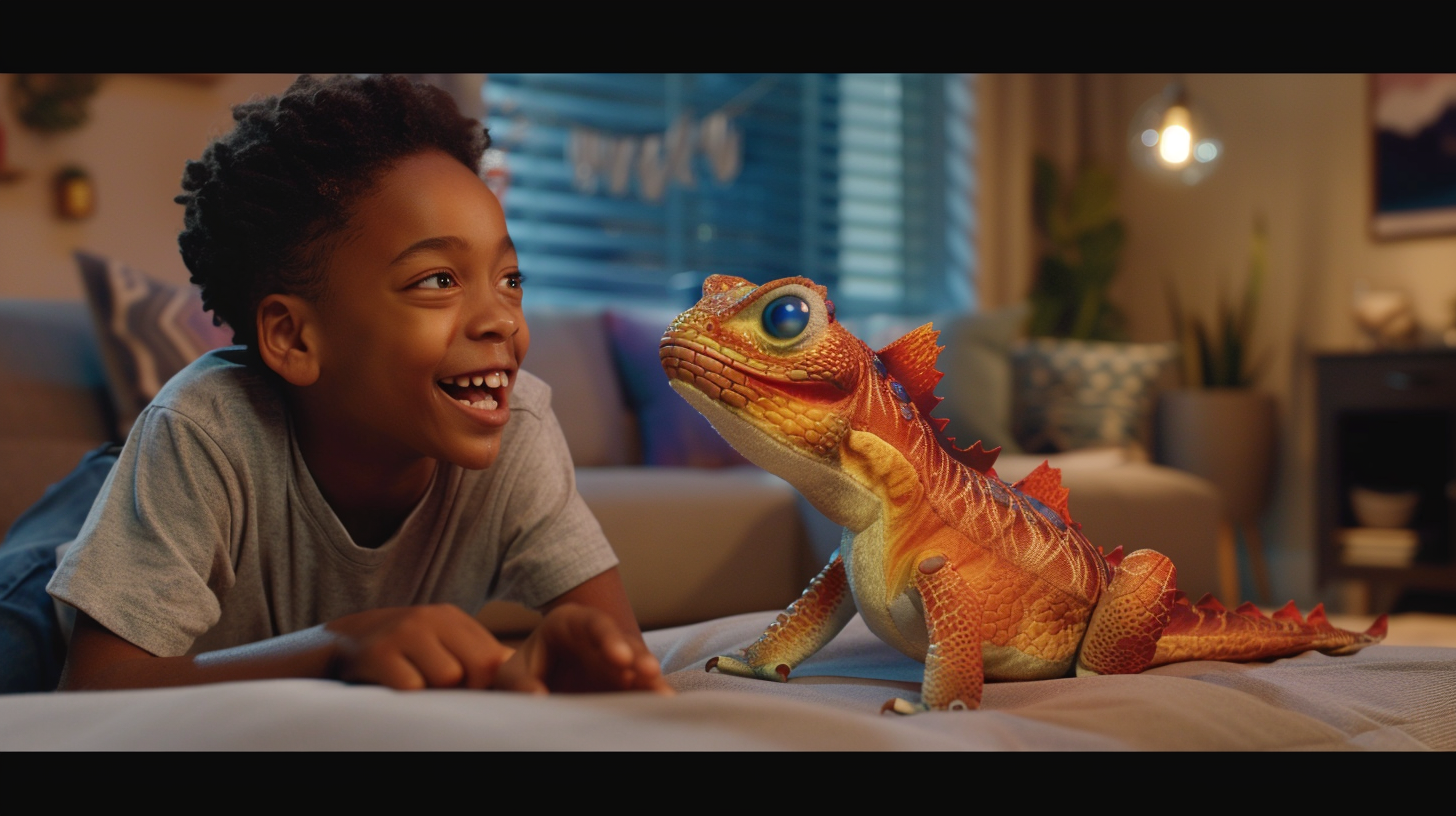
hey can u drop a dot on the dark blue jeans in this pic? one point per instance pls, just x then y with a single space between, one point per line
32 649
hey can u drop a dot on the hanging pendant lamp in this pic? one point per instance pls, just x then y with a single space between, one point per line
1173 137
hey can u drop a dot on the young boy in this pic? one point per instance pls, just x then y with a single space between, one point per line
334 498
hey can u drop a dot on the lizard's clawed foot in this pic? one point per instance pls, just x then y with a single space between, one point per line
905 707
728 664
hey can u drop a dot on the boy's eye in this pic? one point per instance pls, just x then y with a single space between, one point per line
515 280
439 280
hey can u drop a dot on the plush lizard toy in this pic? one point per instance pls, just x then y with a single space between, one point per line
978 579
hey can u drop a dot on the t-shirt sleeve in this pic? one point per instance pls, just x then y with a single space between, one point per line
153 555
551 542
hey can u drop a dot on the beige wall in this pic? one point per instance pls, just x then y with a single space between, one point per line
142 130
1297 150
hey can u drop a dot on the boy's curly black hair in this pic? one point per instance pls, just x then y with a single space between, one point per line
267 200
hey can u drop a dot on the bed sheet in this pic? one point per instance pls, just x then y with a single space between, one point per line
1384 698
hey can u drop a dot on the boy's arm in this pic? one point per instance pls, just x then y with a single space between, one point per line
404 648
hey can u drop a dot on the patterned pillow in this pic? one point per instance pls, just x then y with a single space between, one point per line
674 434
1072 394
148 331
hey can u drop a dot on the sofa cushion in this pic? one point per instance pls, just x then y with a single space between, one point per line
673 433
1072 394
570 350
697 544
52 382
148 331
977 386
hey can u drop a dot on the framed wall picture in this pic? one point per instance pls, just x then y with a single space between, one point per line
1413 118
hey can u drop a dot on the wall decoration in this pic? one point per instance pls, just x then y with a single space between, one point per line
75 194
612 160
8 174
1413 118
51 103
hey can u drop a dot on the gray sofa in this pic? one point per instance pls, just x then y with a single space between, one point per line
695 543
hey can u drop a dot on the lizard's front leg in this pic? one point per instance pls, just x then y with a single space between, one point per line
810 622
954 671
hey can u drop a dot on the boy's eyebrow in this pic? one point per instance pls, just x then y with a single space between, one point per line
443 242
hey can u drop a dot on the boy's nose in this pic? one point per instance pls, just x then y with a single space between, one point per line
494 321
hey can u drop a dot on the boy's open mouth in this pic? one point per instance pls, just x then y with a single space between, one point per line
475 390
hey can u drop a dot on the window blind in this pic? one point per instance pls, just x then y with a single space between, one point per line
861 182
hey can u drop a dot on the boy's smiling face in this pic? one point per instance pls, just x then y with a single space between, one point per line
419 335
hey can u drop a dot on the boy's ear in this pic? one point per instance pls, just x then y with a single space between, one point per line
286 338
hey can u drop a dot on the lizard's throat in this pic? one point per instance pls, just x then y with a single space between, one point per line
817 476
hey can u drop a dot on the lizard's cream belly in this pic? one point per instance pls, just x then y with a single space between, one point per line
999 662
901 622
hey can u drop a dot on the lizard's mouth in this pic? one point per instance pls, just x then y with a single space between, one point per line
798 414
481 389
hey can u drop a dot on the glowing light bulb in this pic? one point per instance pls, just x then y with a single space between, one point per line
1176 141
1173 137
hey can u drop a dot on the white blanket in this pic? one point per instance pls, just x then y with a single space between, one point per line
1384 698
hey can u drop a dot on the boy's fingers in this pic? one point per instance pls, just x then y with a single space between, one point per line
435 662
593 629
391 670
518 673
649 675
480 655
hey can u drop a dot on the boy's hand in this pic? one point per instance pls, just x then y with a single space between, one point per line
416 647
580 649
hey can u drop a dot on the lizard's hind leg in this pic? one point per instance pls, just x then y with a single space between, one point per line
1122 636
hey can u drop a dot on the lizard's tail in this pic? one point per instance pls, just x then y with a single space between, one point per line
1208 631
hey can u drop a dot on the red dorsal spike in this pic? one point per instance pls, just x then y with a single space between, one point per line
1317 616
1115 557
1289 612
974 457
1045 485
938 425
1208 603
1248 610
1378 628
1181 597
911 361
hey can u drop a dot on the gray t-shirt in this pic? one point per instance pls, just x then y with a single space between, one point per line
210 531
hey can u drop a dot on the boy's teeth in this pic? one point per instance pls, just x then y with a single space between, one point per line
491 379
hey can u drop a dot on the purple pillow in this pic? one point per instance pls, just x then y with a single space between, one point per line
673 433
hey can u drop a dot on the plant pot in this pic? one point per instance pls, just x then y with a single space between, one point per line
1225 435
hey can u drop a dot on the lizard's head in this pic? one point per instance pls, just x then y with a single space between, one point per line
787 386
768 365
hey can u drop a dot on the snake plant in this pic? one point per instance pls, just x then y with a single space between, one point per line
1219 355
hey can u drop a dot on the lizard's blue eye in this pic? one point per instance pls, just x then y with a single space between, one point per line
786 318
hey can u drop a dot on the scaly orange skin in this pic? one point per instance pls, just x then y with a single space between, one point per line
979 579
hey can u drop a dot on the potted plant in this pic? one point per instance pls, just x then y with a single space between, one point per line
1081 238
1219 425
